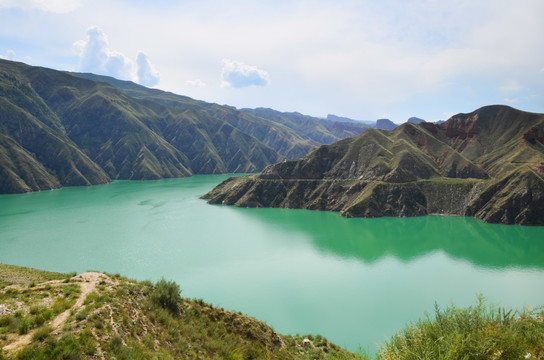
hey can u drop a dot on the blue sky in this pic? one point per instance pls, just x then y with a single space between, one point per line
362 59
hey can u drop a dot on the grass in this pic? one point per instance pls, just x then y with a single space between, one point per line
125 319
475 332
11 274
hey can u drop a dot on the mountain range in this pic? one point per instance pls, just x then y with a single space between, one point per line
68 129
488 164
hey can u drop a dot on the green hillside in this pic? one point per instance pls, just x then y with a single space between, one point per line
67 129
93 315
488 164
292 135
57 129
46 315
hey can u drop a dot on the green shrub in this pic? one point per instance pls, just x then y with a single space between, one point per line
60 305
7 320
167 294
24 326
39 320
68 348
71 290
88 343
116 343
82 315
42 333
476 332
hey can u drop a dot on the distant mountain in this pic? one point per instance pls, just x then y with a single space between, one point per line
488 164
339 118
346 119
60 130
66 129
291 135
415 120
319 131
385 124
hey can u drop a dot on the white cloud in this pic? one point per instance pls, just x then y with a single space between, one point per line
147 74
510 87
357 57
10 55
54 6
197 83
96 56
238 75
511 101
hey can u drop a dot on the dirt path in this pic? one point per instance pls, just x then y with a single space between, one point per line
87 282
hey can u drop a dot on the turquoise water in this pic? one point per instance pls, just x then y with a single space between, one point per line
355 281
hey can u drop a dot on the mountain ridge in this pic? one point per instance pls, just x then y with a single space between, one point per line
58 129
292 135
488 164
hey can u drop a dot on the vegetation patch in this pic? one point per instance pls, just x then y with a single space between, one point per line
476 332
114 317
11 274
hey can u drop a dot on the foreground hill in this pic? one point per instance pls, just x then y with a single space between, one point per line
59 129
488 164
98 316
92 315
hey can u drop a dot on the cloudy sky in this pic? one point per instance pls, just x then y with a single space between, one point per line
362 59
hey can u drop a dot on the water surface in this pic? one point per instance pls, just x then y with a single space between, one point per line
355 281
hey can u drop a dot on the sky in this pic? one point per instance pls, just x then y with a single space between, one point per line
361 59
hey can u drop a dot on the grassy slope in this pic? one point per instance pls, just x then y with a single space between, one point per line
16 275
292 135
125 319
476 332
35 151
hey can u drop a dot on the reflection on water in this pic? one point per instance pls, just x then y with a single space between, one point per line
485 245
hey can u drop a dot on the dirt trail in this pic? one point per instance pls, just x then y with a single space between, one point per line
87 282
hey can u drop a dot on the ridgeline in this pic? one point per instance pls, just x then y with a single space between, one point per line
488 164
66 129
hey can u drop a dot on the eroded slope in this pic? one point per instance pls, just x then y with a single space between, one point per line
488 164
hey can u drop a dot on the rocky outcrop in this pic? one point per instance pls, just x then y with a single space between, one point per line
481 164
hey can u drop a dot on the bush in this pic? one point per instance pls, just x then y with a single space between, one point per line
88 343
42 333
24 326
7 320
82 315
167 295
476 332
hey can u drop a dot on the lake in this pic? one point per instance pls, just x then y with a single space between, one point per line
355 281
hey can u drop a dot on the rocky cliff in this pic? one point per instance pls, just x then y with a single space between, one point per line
488 164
